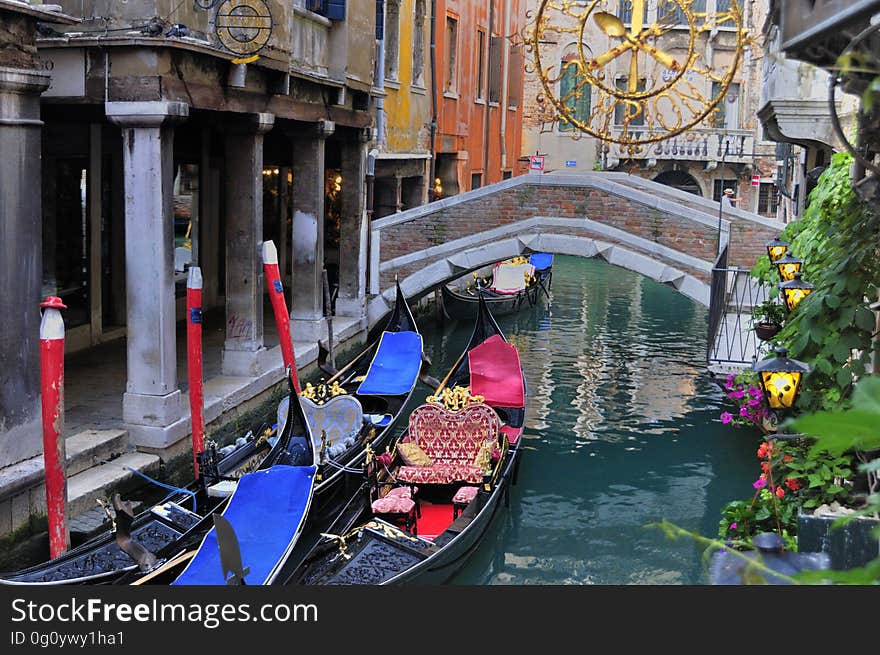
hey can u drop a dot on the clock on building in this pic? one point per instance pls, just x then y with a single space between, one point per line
635 72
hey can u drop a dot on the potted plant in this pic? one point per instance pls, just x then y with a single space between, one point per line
768 319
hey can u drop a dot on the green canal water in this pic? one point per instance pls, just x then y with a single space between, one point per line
622 430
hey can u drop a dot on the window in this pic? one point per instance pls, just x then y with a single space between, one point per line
418 61
669 12
768 199
392 39
481 64
506 175
515 67
495 45
451 48
332 9
635 113
626 9
727 111
574 93
722 5
476 180
718 187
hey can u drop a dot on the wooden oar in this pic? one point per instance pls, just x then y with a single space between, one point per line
329 315
170 564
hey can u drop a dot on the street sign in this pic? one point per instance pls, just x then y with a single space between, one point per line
536 164
570 163
756 180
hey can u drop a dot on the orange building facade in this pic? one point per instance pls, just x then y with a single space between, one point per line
479 76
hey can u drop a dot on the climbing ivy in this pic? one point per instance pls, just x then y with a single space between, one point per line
832 328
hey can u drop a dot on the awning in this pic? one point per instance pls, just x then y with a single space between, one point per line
395 366
496 373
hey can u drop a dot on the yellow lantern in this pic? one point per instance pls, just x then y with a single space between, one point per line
776 249
788 266
794 291
780 379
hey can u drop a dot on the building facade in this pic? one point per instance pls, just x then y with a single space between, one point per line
182 134
726 150
479 63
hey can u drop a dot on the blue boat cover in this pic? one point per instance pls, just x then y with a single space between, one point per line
266 511
395 365
541 260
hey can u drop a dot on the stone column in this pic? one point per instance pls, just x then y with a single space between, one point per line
21 262
152 398
353 233
307 313
244 241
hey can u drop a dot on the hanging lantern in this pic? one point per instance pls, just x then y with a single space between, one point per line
794 291
788 266
776 249
780 379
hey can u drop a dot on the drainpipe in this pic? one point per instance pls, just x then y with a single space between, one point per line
433 93
380 84
486 127
506 79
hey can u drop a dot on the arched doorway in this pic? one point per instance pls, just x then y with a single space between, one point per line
680 180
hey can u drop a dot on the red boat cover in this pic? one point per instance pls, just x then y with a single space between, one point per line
496 373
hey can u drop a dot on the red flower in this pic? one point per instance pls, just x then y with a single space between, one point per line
763 476
792 484
765 467
762 450
787 458
780 492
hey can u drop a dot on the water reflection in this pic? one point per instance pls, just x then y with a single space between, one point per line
621 430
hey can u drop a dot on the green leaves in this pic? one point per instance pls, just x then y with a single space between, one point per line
855 428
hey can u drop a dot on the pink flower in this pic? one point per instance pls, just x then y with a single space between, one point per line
744 411
729 384
760 483
754 402
736 394
733 526
755 391
726 417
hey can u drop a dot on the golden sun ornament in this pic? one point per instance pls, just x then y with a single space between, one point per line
640 83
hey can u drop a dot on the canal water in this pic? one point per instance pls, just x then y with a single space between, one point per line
621 430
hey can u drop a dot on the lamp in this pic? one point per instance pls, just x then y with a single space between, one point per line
780 379
788 266
776 249
793 291
729 569
438 188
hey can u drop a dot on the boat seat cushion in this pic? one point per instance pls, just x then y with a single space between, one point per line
452 440
465 495
393 504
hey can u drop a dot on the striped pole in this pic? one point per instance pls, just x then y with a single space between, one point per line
52 394
279 307
194 361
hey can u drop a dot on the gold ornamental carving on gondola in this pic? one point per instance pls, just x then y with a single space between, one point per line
653 81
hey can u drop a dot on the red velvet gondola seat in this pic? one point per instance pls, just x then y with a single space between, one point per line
452 441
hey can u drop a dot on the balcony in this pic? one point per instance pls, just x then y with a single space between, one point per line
310 44
698 144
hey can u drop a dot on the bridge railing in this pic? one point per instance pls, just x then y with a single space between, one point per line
733 294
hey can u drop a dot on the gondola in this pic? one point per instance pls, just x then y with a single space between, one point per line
514 284
416 521
352 411
134 542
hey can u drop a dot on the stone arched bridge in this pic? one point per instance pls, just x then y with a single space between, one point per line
658 231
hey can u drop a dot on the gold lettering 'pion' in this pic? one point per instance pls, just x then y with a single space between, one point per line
244 26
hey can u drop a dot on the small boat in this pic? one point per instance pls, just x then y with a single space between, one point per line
428 501
137 542
514 283
270 513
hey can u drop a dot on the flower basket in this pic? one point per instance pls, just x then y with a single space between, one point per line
765 331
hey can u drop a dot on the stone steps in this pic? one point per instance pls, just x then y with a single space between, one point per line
91 447
103 480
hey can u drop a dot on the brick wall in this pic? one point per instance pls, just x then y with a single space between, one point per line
510 205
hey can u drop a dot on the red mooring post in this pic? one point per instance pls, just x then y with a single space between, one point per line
279 307
194 361
54 452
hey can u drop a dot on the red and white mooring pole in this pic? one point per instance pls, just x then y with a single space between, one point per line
279 307
194 361
54 452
